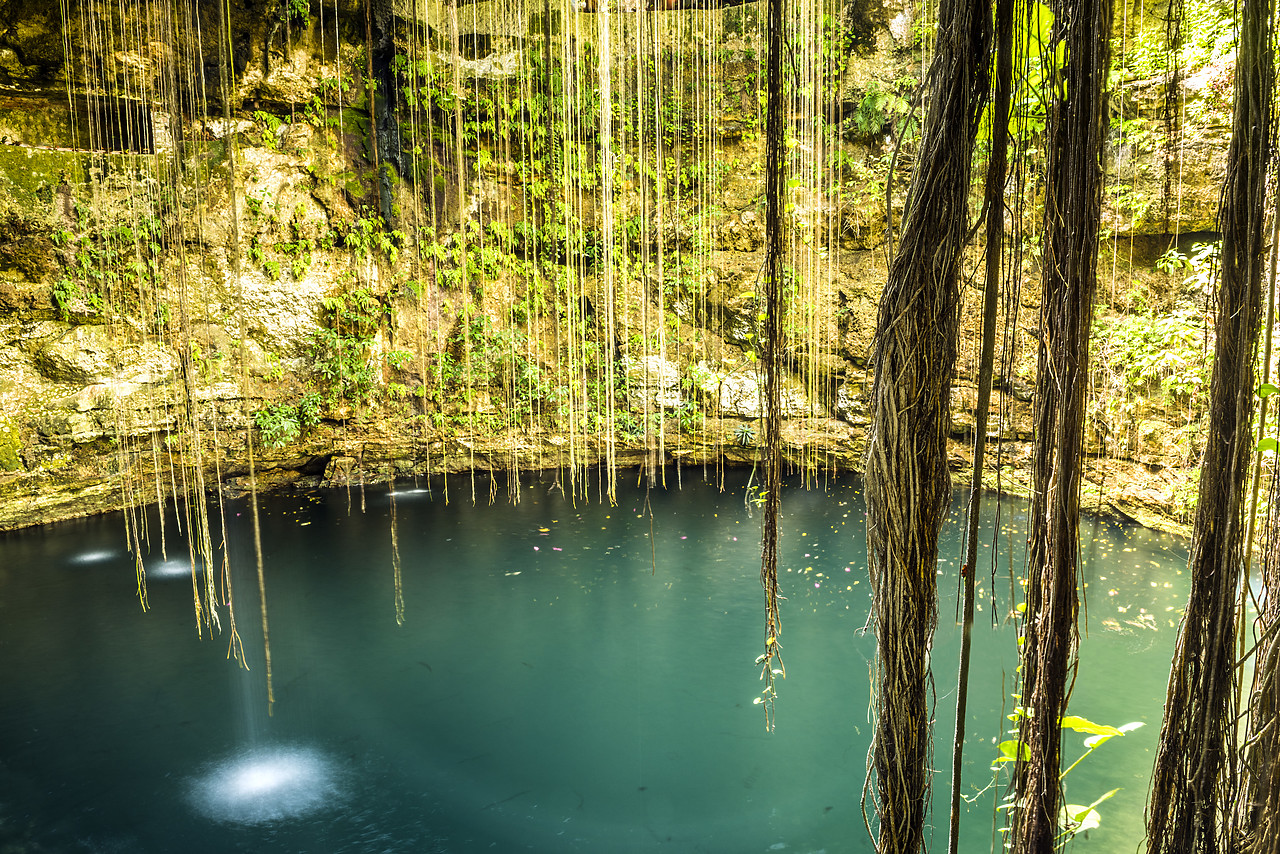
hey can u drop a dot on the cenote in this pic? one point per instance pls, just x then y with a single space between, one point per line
569 676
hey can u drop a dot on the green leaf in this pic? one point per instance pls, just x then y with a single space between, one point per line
1012 750
1267 389
1081 818
1108 796
1080 724
1268 443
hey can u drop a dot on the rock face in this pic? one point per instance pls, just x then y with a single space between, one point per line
88 355
655 382
333 280
742 396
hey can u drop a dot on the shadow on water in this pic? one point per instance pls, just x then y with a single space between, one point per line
553 688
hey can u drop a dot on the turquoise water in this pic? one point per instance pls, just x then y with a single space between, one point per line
567 679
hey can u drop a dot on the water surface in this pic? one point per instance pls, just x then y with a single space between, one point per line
569 677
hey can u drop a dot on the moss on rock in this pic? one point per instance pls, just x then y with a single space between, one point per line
10 446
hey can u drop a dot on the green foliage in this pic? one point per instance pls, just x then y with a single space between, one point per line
369 235
688 416
10 446
879 110
1154 365
65 292
207 365
1072 818
269 126
278 424
299 254
399 358
340 349
1127 199
109 264
482 356
1208 35
1155 353
298 10
628 427
281 424
342 364
1199 269
315 114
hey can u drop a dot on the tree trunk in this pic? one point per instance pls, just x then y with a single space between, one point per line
1073 200
996 174
907 482
1195 782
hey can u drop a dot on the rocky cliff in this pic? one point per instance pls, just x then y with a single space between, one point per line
393 240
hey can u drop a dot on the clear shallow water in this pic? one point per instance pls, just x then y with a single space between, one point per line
561 683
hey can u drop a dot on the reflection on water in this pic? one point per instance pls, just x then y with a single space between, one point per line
570 677
171 568
94 557
267 784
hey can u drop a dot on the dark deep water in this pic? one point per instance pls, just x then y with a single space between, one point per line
551 689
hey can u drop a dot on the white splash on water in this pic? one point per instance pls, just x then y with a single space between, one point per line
267 784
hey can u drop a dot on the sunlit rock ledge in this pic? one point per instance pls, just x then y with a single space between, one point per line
369 454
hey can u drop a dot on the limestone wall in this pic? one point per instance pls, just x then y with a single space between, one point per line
113 377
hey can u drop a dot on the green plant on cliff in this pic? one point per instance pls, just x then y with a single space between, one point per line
341 361
64 293
111 261
878 109
1156 354
368 235
10 446
278 424
298 10
484 358
1208 36
281 424
340 348
269 126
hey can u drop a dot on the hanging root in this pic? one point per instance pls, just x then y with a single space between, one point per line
1073 203
1195 785
1256 816
775 172
908 485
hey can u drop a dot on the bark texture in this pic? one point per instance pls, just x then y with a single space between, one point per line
1073 201
1195 782
907 482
